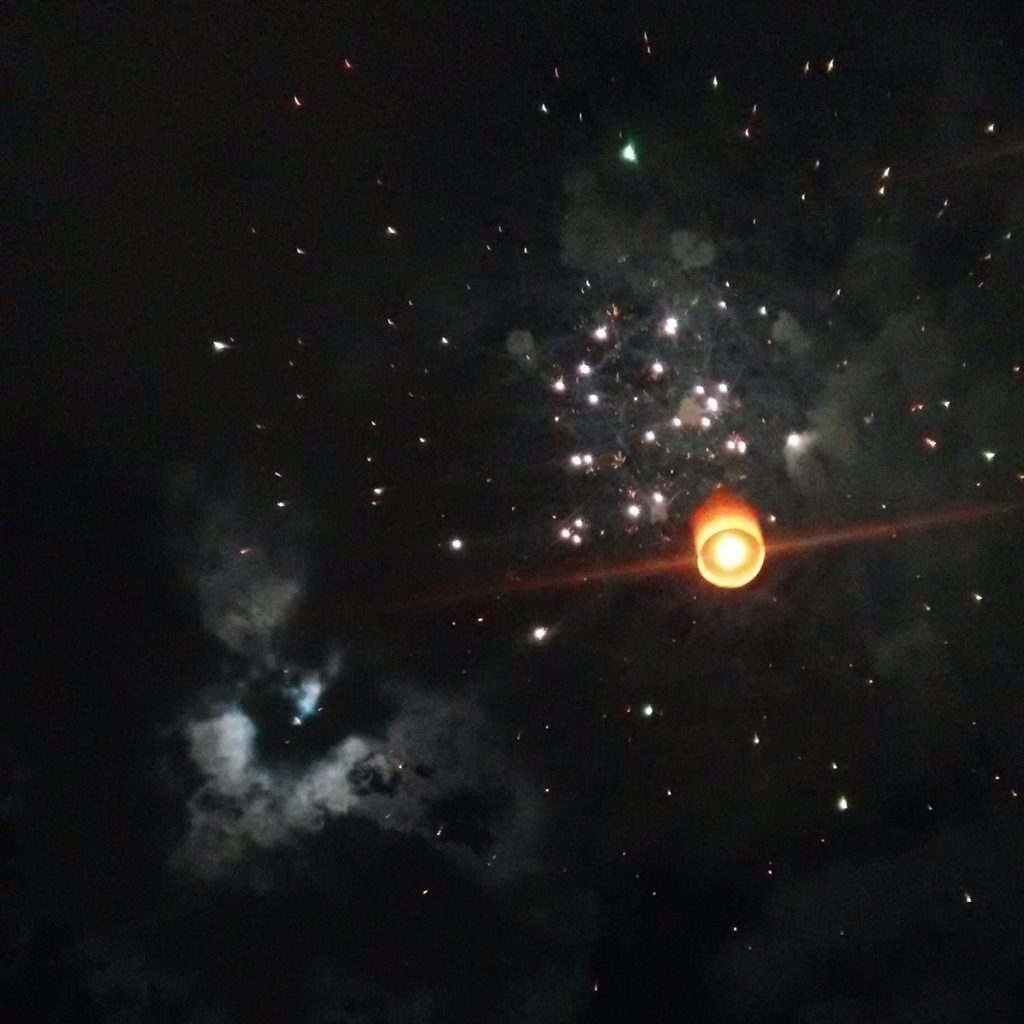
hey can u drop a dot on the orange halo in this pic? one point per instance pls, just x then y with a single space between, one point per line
728 541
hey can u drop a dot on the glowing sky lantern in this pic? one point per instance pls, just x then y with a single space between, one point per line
728 540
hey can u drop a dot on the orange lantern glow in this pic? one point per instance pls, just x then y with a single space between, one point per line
728 540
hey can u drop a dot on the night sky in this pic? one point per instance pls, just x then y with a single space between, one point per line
365 364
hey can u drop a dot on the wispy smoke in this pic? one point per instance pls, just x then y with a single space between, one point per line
432 764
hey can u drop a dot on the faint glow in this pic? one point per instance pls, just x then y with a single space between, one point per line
714 81
455 544
670 325
628 153
633 511
967 898
990 128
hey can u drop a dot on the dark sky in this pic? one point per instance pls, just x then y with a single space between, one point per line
337 339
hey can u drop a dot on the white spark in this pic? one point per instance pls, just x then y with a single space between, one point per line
455 544
842 803
712 405
650 435
601 333
633 511
593 399
658 497
670 325
539 633
220 346
988 456
657 369
584 369
390 230
559 385
648 710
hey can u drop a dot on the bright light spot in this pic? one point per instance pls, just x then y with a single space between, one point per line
445 341
977 597
699 389
593 399
967 898
795 441
576 460
990 128
931 442
628 153
587 460
762 310
601 333
455 544
670 325
577 539
676 421
756 740
988 456
705 421
842 803
378 491
723 388
584 369
539 632
565 533
657 369
559 385
712 405
648 710
722 304
714 81
390 230
730 552
649 435
658 498
220 346
633 511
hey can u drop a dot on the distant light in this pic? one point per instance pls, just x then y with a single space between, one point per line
601 333
593 399
714 81
762 310
588 460
670 325
988 456
220 346
795 441
977 597
445 341
698 389
578 523
390 230
539 632
455 544
576 460
559 385
633 511
584 369
649 435
658 498
712 405
705 421
565 533
931 442
628 153
657 369
756 740
676 421
723 388
842 804
990 128
648 710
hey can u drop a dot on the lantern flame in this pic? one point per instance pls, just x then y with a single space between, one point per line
728 541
